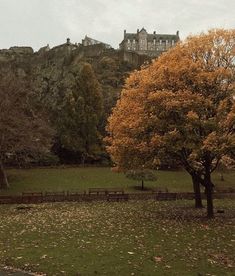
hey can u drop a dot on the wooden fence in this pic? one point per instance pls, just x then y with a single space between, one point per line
39 197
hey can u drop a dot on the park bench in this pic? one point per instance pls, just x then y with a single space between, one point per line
32 197
76 196
105 191
114 191
5 199
186 195
73 193
166 196
97 191
224 190
117 197
55 196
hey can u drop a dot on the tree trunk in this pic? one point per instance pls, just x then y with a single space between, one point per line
197 193
83 160
221 176
142 184
209 197
3 178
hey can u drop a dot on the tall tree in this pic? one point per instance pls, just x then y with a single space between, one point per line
23 128
79 109
182 106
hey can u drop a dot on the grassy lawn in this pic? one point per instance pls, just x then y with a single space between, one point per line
135 238
75 179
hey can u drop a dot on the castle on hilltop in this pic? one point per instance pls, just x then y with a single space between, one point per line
87 41
135 48
148 44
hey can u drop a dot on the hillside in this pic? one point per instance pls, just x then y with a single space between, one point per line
53 74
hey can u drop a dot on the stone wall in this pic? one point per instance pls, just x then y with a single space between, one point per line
133 58
22 50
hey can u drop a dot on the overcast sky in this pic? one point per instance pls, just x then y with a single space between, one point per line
38 22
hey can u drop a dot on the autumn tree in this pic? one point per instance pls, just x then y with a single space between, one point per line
24 131
181 106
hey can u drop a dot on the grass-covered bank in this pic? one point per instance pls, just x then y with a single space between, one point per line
134 238
79 179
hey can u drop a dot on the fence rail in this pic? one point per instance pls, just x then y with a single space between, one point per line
36 197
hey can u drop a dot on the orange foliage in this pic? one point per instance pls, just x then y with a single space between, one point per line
180 105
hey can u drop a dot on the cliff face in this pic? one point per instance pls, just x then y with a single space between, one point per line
53 76
68 51
47 65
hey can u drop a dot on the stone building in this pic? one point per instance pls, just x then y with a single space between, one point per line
148 44
21 50
87 41
68 46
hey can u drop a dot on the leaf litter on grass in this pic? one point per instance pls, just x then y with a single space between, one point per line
143 237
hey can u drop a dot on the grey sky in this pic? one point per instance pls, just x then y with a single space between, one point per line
38 22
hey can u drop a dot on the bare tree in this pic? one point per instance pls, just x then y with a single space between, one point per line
23 128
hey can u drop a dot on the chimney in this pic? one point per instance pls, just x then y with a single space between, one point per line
68 41
138 31
154 32
124 33
177 33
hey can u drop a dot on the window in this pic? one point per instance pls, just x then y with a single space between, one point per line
128 48
173 42
154 41
128 40
160 42
134 41
166 41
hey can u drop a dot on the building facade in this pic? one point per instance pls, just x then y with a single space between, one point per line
87 41
144 43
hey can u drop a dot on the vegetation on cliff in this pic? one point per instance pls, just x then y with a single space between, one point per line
78 91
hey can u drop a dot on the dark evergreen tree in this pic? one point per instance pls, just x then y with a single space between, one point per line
79 111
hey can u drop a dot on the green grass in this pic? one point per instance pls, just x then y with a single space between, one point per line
134 238
79 179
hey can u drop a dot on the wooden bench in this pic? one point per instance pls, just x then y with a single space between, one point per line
55 196
97 191
32 197
4 199
75 196
105 191
166 196
117 197
114 191
73 193
224 189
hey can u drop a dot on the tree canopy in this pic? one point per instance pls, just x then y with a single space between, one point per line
181 106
